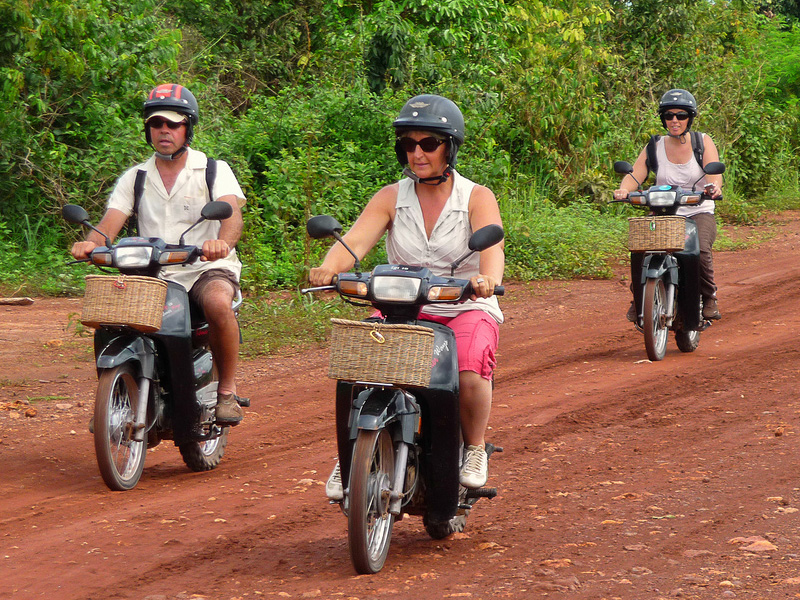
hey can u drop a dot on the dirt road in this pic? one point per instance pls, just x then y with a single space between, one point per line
620 478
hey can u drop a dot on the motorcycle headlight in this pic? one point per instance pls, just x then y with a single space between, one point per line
133 256
395 289
660 198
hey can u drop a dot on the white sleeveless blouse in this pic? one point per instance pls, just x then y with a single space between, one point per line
407 243
683 175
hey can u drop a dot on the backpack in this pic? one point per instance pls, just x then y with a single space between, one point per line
138 191
652 162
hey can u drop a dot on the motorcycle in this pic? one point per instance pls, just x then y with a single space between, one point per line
398 432
665 264
155 381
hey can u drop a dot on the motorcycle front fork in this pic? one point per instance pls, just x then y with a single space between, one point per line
670 289
141 410
400 462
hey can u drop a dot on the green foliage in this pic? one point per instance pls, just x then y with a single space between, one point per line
299 98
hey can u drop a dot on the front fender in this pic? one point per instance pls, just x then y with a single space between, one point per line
129 348
656 266
375 408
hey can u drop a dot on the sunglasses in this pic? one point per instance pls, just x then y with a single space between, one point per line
159 123
428 144
681 116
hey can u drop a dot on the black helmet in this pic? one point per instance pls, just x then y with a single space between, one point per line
172 98
680 99
429 112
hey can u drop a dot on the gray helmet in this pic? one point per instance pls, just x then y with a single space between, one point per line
175 98
429 112
680 99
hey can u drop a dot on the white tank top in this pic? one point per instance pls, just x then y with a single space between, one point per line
683 175
407 243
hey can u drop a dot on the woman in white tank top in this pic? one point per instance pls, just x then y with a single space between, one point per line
429 216
677 165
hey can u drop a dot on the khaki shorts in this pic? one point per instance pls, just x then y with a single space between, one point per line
198 289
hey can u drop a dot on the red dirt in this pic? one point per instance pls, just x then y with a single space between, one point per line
620 478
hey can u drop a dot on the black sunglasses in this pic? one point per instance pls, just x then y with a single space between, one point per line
428 144
681 116
159 123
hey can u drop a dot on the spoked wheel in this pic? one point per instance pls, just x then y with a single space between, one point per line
654 325
439 530
687 340
204 456
369 524
120 458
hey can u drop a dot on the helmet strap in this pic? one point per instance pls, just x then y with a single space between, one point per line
170 157
437 180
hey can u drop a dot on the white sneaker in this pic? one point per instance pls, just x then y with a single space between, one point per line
475 470
333 488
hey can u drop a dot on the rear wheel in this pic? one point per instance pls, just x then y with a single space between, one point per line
440 530
204 456
369 524
654 319
687 340
119 457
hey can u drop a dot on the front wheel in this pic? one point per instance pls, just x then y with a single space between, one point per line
654 319
369 523
119 457
687 340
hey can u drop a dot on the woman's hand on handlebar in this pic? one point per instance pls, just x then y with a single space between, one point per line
482 286
321 276
620 194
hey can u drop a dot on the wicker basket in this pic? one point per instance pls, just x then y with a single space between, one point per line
656 233
137 302
381 353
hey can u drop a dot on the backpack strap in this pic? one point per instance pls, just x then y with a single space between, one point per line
138 190
651 161
698 146
211 175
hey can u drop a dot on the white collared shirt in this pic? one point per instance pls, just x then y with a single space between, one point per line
167 215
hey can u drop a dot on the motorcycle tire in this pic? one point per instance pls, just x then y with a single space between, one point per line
119 457
439 530
369 523
654 315
687 341
204 456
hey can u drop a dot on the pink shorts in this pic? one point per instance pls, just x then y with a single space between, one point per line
477 336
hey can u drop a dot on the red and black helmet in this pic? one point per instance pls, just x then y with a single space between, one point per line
171 97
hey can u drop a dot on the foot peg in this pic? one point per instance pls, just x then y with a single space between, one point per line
482 493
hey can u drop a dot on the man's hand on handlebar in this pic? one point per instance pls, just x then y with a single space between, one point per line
215 249
82 250
620 194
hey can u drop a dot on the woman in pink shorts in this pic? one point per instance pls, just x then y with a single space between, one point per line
428 217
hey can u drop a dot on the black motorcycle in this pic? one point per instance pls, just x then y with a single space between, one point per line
665 264
397 407
157 378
